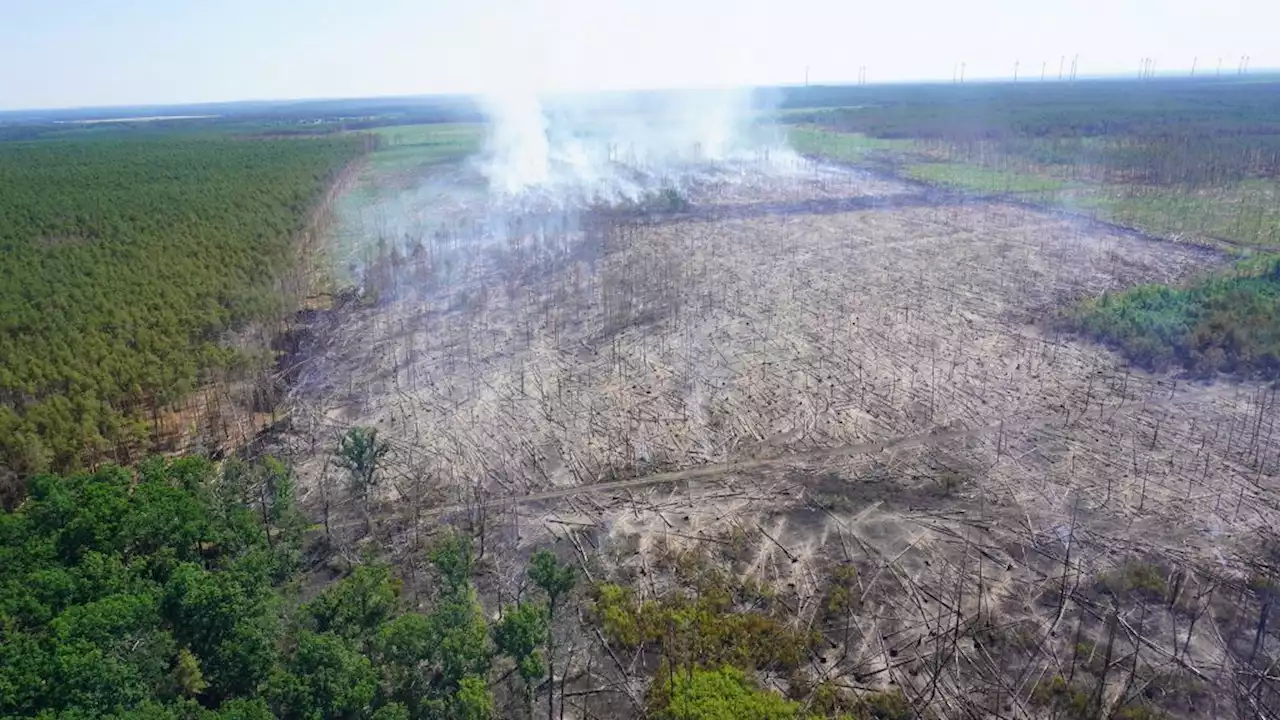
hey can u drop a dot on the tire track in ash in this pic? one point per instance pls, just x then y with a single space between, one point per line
900 443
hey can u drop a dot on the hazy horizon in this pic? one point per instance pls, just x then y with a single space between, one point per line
1254 74
90 54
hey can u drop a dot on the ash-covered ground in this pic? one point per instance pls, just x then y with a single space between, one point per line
784 366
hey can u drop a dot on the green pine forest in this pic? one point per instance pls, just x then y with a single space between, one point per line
127 261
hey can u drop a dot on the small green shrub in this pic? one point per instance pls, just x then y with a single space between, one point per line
722 694
888 705
833 502
672 200
1229 322
1138 711
998 636
700 631
1140 579
1069 701
841 597
1177 690
1262 584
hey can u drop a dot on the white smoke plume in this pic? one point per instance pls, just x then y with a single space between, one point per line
621 146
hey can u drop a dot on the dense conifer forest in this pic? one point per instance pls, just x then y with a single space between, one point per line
127 261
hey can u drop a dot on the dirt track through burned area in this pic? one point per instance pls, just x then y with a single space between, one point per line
901 443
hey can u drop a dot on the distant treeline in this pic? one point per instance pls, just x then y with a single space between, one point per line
296 116
126 263
1050 109
1166 132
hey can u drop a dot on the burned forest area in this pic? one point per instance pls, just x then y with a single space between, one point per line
843 412
837 399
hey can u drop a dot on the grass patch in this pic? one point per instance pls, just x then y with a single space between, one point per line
1058 173
427 134
401 158
975 178
1244 213
407 147
1228 322
842 147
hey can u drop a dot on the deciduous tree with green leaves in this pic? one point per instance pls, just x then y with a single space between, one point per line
556 581
165 593
519 635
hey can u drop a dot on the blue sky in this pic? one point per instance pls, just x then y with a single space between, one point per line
63 53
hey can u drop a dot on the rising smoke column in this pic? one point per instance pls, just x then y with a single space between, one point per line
619 146
518 151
